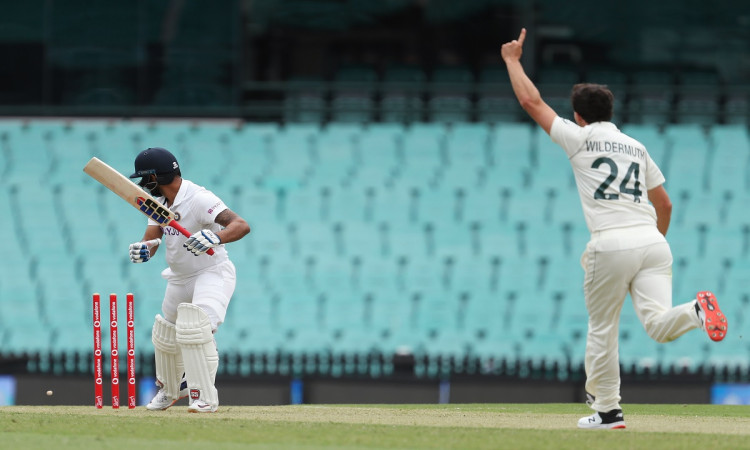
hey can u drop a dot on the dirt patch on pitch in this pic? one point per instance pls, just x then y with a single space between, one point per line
484 419
425 417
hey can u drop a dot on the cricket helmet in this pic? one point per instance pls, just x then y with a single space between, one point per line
156 161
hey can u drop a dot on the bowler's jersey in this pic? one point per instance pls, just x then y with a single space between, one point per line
197 209
613 173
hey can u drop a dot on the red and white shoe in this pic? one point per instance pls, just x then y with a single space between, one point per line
612 420
712 319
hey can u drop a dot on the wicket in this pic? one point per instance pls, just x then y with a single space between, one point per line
114 351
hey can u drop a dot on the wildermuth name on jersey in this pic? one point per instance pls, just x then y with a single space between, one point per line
613 174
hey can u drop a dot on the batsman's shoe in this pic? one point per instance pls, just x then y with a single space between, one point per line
712 319
603 421
199 406
162 401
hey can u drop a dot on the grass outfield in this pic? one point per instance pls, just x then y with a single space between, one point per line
524 426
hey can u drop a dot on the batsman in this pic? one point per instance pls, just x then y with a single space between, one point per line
199 285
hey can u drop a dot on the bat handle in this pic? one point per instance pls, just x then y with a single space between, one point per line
174 224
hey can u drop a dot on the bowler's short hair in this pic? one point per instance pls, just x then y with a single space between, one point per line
593 102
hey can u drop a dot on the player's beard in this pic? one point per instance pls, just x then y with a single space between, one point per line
153 188
156 192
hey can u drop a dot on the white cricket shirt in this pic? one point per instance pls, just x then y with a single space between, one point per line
613 173
197 209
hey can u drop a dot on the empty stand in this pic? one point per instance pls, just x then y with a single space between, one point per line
443 241
402 100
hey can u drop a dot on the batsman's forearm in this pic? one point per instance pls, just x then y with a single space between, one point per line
526 93
234 231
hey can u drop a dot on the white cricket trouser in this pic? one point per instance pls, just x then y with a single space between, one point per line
210 290
636 260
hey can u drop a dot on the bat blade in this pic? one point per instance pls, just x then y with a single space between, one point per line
133 194
115 181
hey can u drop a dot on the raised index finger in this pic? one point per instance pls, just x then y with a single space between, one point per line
522 36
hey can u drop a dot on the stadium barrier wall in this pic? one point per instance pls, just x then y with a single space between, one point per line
77 390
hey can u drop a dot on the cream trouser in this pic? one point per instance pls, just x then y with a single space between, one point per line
636 260
210 290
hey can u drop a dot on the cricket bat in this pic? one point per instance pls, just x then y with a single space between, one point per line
133 194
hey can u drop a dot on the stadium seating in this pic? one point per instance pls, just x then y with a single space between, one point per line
352 100
402 100
449 241
652 97
450 101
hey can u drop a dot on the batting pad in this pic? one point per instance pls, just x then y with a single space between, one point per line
167 357
199 352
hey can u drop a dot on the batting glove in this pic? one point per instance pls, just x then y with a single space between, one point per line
201 241
140 252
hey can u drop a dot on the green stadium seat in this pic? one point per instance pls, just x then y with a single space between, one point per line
303 102
27 154
291 168
697 109
424 152
496 102
510 155
426 239
555 83
494 344
336 154
79 337
352 108
467 146
550 166
25 338
685 354
726 241
378 148
543 350
401 101
300 206
349 206
652 138
379 274
319 238
736 109
252 164
641 353
450 100
729 144
563 273
361 239
652 96
731 353
688 160
352 100
34 211
57 281
193 94
23 322
480 275
698 95
565 206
